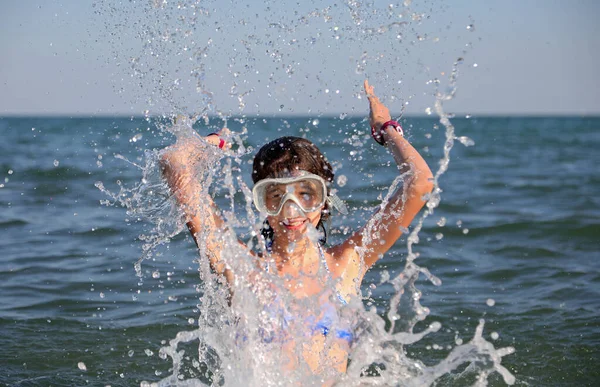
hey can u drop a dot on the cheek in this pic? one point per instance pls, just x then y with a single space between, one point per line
315 217
273 221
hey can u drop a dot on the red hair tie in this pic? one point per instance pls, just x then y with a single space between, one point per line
221 141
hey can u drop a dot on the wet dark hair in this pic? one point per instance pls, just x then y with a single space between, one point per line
280 157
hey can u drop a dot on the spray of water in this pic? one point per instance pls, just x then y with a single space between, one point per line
235 336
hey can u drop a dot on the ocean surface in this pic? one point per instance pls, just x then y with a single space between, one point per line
515 241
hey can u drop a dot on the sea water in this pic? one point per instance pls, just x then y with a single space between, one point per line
513 242
391 319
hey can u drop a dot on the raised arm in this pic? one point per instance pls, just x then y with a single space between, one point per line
179 166
385 227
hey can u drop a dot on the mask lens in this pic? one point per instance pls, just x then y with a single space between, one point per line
309 193
273 195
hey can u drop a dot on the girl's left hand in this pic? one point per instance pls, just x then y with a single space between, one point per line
379 113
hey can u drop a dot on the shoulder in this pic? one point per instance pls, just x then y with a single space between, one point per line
343 261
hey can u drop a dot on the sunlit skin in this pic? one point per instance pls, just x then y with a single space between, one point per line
294 249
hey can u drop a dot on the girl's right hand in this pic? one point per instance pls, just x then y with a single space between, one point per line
218 138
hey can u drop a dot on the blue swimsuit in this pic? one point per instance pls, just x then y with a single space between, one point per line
329 316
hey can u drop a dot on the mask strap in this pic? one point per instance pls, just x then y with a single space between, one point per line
337 203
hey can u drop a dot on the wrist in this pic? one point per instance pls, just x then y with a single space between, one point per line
377 131
218 141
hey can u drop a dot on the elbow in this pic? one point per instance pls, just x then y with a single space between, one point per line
423 190
427 185
422 185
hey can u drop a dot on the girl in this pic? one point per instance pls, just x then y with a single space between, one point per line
292 182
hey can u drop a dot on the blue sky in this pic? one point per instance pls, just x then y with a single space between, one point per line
280 57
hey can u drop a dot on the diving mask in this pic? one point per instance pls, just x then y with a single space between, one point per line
308 191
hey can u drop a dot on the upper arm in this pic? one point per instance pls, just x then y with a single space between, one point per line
201 214
386 225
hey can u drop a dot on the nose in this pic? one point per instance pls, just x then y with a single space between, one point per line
291 209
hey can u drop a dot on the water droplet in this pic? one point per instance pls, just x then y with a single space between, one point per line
439 236
148 352
81 366
342 180
315 122
466 231
490 302
56 163
494 335
102 295
156 274
471 27
130 353
441 222
10 172
136 138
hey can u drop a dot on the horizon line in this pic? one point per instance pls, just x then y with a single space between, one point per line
297 115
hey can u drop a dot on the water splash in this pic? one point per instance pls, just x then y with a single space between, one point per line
229 346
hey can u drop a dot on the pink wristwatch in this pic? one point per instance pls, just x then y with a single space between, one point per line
378 136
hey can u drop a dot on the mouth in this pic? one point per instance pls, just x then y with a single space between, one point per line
293 224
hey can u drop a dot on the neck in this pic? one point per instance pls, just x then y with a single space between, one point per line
298 253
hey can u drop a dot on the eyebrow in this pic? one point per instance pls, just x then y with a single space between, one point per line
274 187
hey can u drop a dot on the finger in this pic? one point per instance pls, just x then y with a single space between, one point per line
213 139
369 89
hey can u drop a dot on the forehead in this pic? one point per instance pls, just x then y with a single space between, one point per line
288 173
307 183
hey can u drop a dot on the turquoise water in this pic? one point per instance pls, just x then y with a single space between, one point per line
519 244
